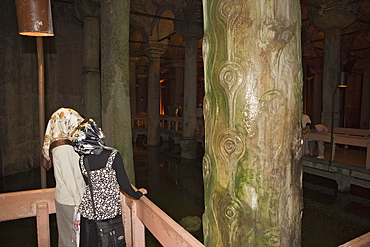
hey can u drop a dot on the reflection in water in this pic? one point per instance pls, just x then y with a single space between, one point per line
176 186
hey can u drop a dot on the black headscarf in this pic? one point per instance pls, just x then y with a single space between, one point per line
88 138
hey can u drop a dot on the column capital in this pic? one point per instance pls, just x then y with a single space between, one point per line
155 49
134 59
333 14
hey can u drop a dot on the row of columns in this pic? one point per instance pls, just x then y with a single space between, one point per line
191 33
89 14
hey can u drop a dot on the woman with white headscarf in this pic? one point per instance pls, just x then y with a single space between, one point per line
58 151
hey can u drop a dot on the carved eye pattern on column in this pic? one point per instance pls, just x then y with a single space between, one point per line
206 168
229 11
272 102
231 75
231 145
239 219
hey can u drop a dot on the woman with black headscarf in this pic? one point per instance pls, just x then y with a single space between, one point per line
107 176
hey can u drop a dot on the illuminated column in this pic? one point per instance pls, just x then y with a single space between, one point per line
154 51
331 18
252 109
142 93
191 31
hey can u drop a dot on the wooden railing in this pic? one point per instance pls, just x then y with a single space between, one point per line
23 204
166 122
346 136
137 214
362 241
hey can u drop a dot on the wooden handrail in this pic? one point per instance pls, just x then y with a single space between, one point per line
362 241
24 204
349 131
346 139
137 214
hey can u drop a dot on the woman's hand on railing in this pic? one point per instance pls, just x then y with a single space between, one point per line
144 191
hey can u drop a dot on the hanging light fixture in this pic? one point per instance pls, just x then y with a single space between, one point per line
34 17
343 79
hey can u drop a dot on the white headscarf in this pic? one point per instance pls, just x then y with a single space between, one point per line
61 125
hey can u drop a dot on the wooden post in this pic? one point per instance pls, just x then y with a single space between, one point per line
42 220
138 229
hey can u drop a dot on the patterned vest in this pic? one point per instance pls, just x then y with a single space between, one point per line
105 191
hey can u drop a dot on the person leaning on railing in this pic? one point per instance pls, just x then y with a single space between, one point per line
104 175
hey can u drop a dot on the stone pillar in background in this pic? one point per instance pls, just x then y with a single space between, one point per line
331 18
133 100
177 88
252 108
154 51
316 98
116 113
89 13
141 93
191 31
365 102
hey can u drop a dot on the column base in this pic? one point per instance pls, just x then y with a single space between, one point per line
188 148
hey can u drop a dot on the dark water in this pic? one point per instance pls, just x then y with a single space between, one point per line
176 186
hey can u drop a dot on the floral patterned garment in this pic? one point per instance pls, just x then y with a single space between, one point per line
105 190
61 125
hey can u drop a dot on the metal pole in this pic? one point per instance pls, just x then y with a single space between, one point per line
41 98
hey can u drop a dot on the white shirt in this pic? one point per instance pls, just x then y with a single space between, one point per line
69 181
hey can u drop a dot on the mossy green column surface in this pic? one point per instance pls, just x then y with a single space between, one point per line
252 107
115 89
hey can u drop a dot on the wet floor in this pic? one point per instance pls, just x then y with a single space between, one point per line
176 186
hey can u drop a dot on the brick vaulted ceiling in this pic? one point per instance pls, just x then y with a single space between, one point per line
355 38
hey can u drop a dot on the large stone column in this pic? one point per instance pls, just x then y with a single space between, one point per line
252 107
133 100
116 113
316 97
154 51
89 13
177 87
331 18
191 31
142 93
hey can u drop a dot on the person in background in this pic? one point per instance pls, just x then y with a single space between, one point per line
321 148
108 176
58 151
306 125
171 110
179 112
